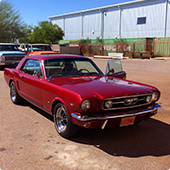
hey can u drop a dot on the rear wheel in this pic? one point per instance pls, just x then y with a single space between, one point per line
62 122
16 99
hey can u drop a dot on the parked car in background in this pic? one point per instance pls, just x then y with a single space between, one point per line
37 49
10 54
76 92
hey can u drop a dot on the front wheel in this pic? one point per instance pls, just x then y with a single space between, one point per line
16 99
62 122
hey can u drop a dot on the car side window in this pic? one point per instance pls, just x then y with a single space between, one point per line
32 67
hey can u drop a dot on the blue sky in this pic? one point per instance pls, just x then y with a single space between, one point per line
33 11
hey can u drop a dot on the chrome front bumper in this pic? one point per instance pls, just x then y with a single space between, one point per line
84 118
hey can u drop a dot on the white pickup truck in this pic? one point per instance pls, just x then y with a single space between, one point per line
10 54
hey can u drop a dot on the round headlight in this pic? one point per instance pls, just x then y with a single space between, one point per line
155 96
148 99
85 105
108 104
2 58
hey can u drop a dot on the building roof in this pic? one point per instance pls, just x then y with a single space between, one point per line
103 8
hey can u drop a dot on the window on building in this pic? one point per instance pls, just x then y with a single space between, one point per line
141 20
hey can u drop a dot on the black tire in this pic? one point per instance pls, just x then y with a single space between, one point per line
15 98
62 122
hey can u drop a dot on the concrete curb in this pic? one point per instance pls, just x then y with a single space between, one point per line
161 58
112 57
109 57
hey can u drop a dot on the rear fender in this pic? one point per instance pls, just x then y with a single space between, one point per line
8 75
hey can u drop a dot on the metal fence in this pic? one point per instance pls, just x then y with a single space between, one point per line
144 48
162 47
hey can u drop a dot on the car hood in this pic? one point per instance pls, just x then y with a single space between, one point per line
102 86
11 53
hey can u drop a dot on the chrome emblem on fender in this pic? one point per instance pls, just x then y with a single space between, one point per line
128 102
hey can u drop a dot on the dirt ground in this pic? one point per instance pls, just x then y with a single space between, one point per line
28 140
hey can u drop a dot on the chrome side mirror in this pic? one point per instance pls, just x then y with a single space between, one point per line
111 71
113 66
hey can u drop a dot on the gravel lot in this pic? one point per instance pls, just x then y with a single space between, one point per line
28 140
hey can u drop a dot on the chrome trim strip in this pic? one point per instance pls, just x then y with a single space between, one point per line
137 95
104 124
82 118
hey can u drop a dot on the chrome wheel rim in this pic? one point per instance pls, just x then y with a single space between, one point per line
61 119
13 93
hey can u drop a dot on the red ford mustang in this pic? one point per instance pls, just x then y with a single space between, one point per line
75 91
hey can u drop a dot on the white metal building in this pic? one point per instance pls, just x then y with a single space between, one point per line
135 19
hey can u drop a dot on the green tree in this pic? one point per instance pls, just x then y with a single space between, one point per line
85 41
46 32
28 29
11 25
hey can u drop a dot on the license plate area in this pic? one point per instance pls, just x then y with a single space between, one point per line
127 121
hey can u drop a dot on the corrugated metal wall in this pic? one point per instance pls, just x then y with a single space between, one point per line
118 21
168 20
59 22
155 20
73 27
111 23
92 25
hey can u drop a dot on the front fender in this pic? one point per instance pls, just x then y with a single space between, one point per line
70 106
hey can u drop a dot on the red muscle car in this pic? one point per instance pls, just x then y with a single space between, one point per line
76 92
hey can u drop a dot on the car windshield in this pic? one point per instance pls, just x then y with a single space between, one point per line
9 48
70 67
40 48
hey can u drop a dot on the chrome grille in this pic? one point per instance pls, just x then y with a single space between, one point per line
13 57
127 102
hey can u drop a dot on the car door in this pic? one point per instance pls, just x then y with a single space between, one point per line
30 81
114 68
